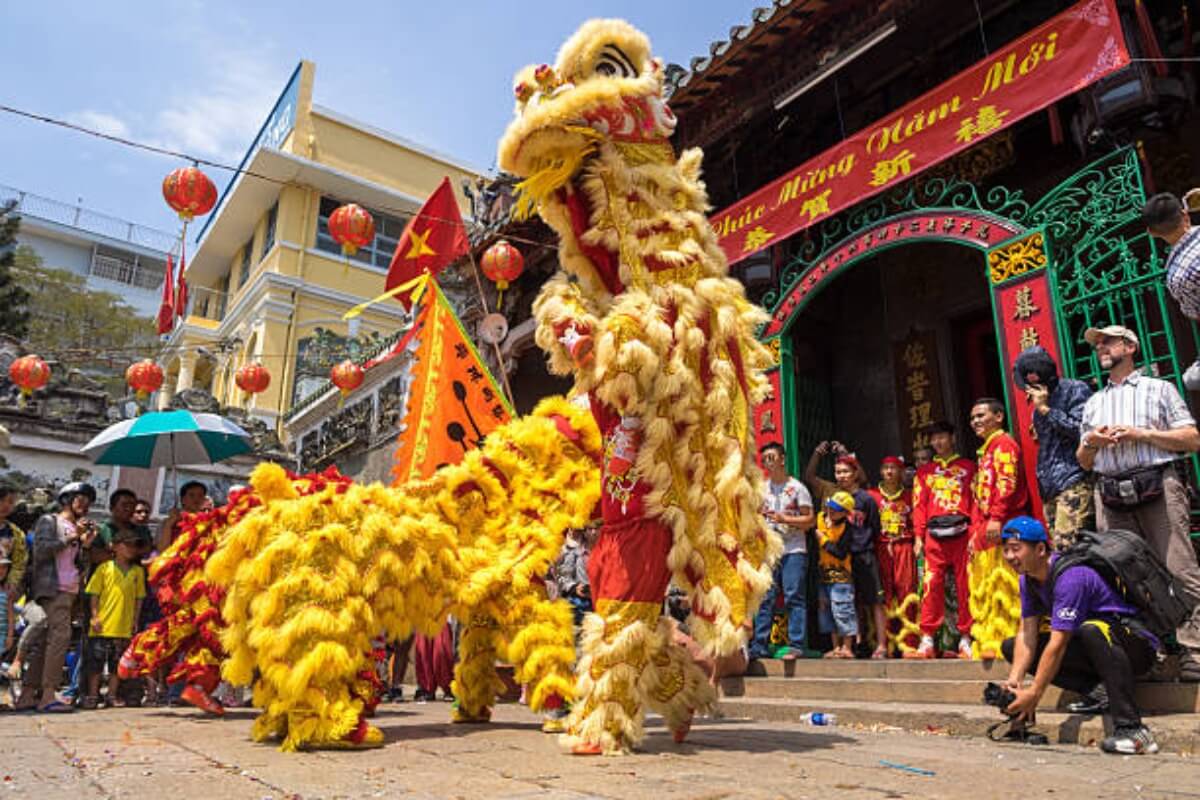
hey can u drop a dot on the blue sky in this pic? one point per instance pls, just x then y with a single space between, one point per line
200 76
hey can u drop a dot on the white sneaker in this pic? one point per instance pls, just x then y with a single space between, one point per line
964 648
1130 742
924 649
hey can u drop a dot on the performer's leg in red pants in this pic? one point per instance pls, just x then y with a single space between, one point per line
629 658
942 555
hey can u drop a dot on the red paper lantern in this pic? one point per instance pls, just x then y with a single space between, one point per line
347 376
29 373
253 378
503 264
189 192
352 227
145 377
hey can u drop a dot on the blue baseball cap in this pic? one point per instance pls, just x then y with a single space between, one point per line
1025 529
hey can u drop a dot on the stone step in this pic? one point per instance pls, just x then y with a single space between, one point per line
1179 698
1175 733
944 668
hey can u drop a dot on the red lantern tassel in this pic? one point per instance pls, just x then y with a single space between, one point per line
1150 40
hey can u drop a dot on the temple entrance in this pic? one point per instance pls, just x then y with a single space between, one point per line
901 339
887 304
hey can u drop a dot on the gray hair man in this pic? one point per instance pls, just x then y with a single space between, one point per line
1133 431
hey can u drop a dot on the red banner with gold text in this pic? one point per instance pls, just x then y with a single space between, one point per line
1066 54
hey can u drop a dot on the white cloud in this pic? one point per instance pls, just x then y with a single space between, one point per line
100 121
215 116
219 120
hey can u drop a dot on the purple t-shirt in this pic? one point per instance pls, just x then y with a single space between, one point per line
1080 594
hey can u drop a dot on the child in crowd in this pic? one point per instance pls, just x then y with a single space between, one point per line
570 573
116 591
837 613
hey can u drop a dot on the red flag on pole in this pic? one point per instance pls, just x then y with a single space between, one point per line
433 239
166 311
181 292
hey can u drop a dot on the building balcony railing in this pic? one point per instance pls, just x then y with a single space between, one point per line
206 303
128 272
76 216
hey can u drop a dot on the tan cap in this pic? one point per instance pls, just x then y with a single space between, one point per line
1093 335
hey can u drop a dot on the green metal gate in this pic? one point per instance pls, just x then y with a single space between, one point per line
1107 270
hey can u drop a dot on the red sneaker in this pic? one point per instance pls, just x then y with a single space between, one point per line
195 696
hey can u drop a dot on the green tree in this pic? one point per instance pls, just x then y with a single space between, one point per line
95 332
14 320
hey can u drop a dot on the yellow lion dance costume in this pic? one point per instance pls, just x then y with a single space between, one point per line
661 340
316 572
187 635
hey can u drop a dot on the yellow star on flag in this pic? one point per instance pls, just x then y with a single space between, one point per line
419 247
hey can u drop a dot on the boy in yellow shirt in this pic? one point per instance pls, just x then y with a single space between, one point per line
838 616
116 591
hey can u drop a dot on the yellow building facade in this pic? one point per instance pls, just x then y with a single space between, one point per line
263 273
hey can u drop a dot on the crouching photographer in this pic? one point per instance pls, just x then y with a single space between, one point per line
1096 644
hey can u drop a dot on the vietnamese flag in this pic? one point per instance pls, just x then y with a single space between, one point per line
434 238
166 311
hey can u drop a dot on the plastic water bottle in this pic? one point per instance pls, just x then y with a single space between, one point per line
818 718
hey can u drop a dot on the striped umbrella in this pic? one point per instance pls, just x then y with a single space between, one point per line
168 439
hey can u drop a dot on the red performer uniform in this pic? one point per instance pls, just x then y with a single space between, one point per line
942 509
897 564
627 568
897 561
1000 489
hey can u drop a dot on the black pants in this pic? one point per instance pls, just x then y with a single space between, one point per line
1099 652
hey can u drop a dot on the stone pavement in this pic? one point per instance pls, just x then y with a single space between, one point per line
177 754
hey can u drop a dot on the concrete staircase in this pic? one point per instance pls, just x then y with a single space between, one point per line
942 697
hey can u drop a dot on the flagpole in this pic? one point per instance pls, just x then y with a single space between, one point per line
486 311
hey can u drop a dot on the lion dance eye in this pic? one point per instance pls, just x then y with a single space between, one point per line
523 92
613 63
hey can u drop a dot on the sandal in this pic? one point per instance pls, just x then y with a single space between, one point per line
55 707
89 703
879 655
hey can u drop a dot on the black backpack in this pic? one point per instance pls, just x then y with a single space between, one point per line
1128 564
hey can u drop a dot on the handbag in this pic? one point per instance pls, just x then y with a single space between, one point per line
1131 489
948 526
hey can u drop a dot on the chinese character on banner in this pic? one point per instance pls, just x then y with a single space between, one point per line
918 387
1025 307
1029 337
889 169
914 355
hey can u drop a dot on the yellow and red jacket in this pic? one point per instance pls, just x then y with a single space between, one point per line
1000 489
895 514
942 487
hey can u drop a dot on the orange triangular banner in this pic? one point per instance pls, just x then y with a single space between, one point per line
453 401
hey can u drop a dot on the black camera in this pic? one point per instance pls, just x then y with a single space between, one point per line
996 695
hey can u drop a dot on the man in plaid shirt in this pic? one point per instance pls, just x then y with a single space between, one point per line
1167 218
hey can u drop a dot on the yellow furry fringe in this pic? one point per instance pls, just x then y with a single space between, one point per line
626 665
312 579
677 349
995 601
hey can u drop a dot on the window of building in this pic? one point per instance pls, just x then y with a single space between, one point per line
378 253
244 270
269 230
124 267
